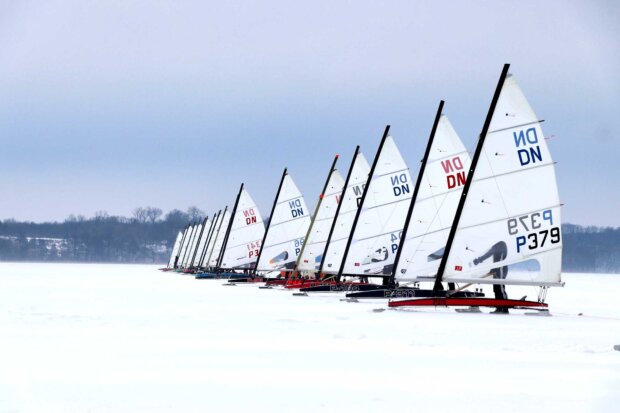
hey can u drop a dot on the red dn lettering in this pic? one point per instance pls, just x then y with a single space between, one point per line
250 216
455 176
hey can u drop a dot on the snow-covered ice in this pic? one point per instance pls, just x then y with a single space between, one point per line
128 338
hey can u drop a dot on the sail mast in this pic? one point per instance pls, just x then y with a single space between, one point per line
470 177
217 232
176 258
202 246
359 209
273 208
415 192
316 210
209 233
189 243
230 223
331 230
202 230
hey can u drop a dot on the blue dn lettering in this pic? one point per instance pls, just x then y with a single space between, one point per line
531 151
296 209
399 184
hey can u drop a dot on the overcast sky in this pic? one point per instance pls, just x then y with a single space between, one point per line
110 105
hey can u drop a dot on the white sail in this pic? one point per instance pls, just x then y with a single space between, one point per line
434 208
512 211
211 240
376 236
246 235
192 246
219 240
175 249
287 228
202 242
346 214
188 239
314 245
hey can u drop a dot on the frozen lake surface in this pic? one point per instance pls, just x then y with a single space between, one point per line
129 338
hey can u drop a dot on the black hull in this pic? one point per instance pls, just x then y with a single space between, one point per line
410 293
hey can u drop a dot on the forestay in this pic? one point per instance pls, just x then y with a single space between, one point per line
245 236
511 214
376 237
346 214
433 211
287 229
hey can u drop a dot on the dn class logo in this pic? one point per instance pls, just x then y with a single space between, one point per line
455 175
531 151
400 185
358 190
296 209
250 216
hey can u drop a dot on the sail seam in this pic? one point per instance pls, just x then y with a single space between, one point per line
513 172
389 173
516 126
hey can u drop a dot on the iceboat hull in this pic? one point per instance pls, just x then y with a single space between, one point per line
467 302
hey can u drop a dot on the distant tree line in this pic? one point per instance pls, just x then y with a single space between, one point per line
148 237
591 249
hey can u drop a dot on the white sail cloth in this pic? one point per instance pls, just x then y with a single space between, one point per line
287 228
434 208
204 262
346 214
376 236
214 255
186 244
314 245
202 242
512 212
175 249
246 235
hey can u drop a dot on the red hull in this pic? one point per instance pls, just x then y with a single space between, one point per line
275 282
294 284
468 302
